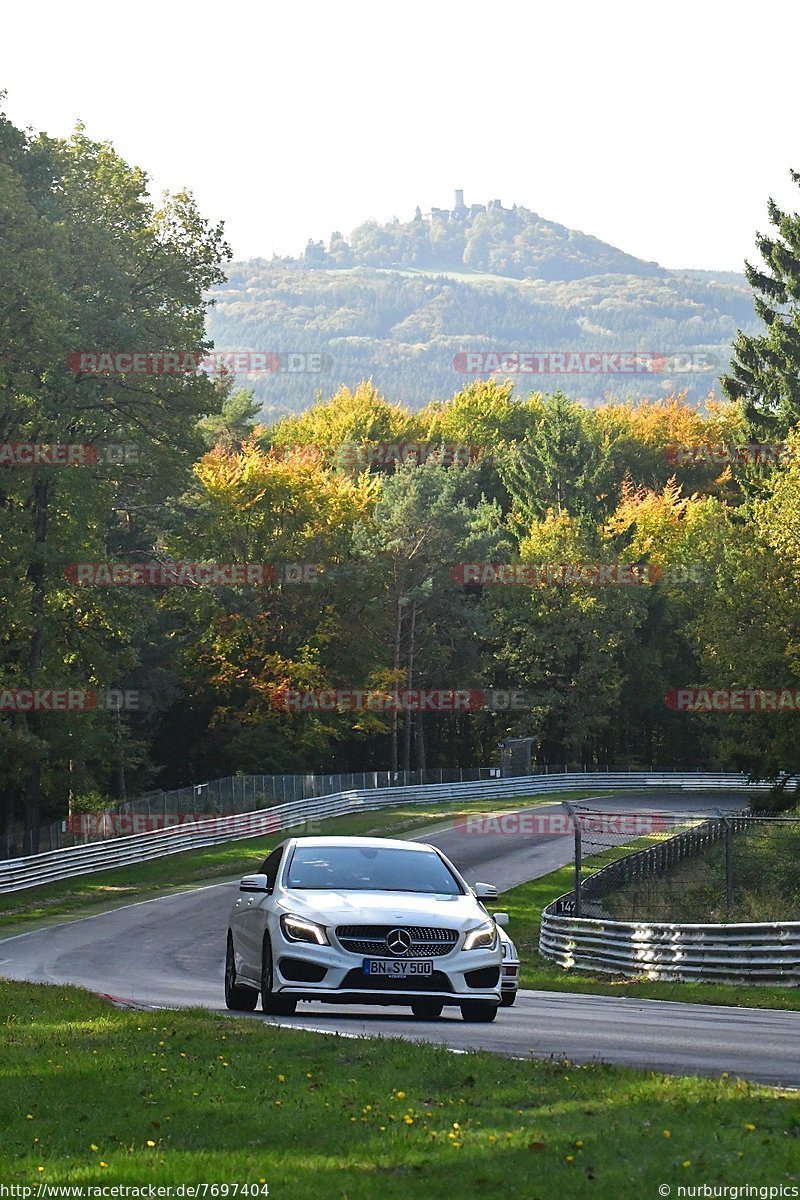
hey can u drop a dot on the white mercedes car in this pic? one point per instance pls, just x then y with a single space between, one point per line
363 921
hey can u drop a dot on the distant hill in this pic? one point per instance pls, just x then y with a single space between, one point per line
397 303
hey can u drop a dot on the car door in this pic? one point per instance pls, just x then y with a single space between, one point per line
252 917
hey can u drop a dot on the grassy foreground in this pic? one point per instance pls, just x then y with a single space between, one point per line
97 1095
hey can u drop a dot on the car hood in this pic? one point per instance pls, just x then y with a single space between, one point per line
383 908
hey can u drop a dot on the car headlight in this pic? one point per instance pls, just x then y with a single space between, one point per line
300 929
483 937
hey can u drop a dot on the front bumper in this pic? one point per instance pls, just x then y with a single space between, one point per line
332 975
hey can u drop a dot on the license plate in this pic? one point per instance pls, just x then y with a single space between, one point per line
395 968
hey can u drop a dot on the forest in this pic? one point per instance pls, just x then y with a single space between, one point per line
402 303
176 563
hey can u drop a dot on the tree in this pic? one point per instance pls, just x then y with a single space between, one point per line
426 630
562 464
643 439
234 424
241 648
347 421
748 632
765 375
566 645
108 271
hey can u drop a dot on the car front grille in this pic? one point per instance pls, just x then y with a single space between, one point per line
426 942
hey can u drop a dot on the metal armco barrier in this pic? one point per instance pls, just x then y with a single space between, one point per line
734 953
19 873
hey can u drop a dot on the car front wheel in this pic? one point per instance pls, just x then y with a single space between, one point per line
508 999
478 1012
278 1006
238 998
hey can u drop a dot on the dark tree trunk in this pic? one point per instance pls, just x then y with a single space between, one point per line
393 754
409 716
420 741
35 574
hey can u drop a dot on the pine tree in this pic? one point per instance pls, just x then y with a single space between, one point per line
765 374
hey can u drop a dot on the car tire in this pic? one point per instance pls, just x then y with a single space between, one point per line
477 1011
278 1006
237 998
427 1010
507 999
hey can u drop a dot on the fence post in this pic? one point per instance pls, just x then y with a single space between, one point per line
575 821
727 829
728 866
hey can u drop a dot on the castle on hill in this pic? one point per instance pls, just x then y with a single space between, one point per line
460 210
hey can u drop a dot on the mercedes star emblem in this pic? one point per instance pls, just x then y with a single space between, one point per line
398 941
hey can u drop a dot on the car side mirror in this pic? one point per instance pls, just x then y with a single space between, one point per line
254 883
500 918
485 891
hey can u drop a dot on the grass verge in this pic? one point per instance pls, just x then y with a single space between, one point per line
95 1095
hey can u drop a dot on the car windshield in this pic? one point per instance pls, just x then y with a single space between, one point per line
370 869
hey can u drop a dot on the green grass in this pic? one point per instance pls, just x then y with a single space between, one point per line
95 1095
766 883
412 272
20 911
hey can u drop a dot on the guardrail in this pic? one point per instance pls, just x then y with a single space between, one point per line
213 797
729 952
33 871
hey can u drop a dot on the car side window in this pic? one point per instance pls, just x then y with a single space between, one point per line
271 864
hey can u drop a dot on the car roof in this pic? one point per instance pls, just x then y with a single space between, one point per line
366 842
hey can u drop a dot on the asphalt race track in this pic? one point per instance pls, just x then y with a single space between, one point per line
169 952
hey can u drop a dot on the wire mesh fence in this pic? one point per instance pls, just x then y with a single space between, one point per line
231 794
685 867
241 793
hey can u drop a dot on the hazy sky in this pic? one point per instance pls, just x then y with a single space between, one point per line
661 128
